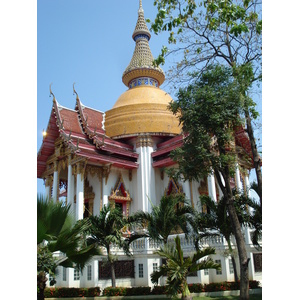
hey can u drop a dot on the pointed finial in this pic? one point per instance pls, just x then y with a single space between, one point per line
141 7
51 93
74 92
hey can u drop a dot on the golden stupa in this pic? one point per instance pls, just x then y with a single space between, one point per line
142 109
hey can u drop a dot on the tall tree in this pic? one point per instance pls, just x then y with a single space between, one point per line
209 111
215 31
177 268
171 215
56 232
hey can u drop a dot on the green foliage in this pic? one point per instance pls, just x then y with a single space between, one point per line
209 110
172 214
177 268
106 228
55 232
210 31
52 219
45 260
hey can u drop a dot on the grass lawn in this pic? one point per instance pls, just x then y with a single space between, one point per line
251 297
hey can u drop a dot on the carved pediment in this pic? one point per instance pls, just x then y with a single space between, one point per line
203 188
119 192
173 188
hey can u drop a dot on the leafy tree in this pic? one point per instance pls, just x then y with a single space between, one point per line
171 215
178 268
55 232
206 32
209 111
106 231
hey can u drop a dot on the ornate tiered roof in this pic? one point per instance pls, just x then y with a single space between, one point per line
81 132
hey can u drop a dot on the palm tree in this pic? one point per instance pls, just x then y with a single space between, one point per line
106 231
177 268
172 215
56 232
217 221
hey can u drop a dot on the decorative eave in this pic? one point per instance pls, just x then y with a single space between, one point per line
168 146
243 147
161 157
64 126
92 124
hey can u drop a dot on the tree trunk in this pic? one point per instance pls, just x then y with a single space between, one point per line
113 275
256 157
237 231
236 277
186 294
41 284
244 281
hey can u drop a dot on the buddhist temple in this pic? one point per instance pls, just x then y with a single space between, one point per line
92 158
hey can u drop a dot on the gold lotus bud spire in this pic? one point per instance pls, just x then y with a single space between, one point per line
141 70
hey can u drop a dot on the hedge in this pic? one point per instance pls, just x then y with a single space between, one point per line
127 291
63 292
161 290
143 290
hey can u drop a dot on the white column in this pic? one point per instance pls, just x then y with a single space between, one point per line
95 272
105 191
79 193
145 174
55 182
212 187
247 229
48 188
141 180
247 184
70 192
238 178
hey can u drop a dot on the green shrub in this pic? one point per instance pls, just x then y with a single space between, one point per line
64 292
210 287
117 291
254 284
50 293
124 291
159 290
196 288
138 291
93 292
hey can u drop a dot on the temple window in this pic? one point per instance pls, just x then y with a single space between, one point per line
89 196
120 197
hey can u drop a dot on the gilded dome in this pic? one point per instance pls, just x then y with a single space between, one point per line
143 107
141 110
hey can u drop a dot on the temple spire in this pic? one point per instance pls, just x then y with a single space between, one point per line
141 70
